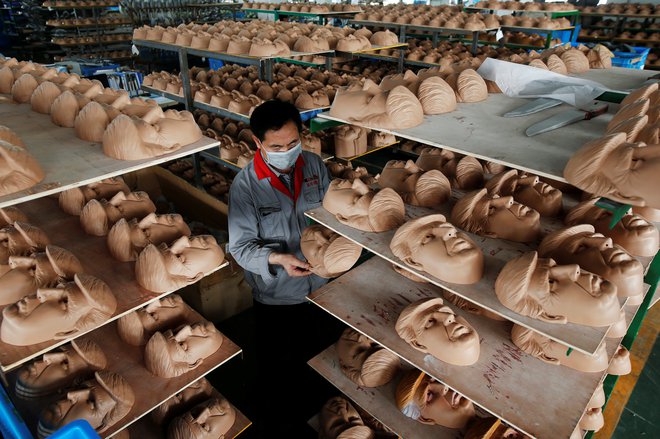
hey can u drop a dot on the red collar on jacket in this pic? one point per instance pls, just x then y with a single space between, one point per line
263 171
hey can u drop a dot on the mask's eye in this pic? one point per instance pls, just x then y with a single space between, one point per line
429 323
427 238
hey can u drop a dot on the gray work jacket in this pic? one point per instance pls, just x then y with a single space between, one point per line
265 217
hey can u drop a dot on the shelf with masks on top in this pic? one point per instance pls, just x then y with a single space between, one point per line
379 402
65 231
147 428
435 32
305 115
128 361
74 162
471 128
320 16
496 253
504 379
264 63
522 12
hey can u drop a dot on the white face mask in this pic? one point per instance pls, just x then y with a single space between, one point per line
285 159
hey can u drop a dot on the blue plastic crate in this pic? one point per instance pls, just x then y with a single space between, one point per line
215 64
565 35
13 427
631 60
79 429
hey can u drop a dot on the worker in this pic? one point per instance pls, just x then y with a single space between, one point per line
267 202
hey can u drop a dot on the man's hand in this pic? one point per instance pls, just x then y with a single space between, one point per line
294 267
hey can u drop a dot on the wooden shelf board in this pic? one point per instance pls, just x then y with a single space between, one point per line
67 161
244 58
604 14
617 78
497 253
372 49
318 14
146 428
527 393
379 402
171 96
83 26
304 114
123 41
214 157
92 251
370 149
479 130
376 23
524 12
535 29
127 361
99 6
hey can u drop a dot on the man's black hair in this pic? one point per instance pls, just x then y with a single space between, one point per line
273 115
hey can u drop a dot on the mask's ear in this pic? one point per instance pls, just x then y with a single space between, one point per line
548 359
552 319
409 261
419 346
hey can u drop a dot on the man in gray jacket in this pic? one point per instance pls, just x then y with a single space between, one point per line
267 202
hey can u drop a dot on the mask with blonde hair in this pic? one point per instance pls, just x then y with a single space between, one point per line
625 172
496 217
9 215
59 369
128 138
492 428
551 352
18 169
527 190
57 313
135 328
327 252
596 253
20 239
416 187
633 233
339 419
41 269
425 400
127 238
433 328
187 260
398 108
173 353
198 392
73 200
102 401
360 207
541 289
98 216
364 361
212 419
433 245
